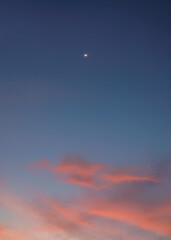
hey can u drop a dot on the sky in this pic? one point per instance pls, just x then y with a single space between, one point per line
85 141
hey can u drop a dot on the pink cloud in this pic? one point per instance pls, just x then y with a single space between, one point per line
72 170
133 207
75 170
119 177
84 215
154 218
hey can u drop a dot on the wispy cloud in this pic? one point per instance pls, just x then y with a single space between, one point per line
141 214
75 170
119 177
124 209
95 216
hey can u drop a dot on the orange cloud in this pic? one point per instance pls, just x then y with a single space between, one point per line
133 205
43 216
154 218
75 215
47 216
75 170
126 177
68 216
134 211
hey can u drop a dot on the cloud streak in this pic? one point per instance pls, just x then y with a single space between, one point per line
75 170
126 207
154 218
120 177
48 217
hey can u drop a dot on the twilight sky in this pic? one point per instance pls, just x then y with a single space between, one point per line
85 142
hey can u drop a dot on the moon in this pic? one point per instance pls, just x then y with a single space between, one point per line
85 55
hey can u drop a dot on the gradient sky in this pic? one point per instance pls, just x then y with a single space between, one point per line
85 142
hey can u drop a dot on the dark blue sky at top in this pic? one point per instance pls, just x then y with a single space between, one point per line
113 106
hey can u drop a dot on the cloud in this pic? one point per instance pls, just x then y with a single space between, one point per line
95 216
41 217
119 177
75 170
156 218
66 216
131 210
